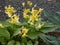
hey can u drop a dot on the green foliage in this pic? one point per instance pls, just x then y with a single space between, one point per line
29 43
4 33
10 33
53 18
53 40
11 42
23 33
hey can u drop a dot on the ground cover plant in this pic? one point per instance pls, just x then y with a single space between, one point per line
27 32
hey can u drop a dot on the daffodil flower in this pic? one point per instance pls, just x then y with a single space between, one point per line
24 32
14 19
29 3
9 10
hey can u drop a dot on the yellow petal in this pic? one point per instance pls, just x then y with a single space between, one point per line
23 4
29 3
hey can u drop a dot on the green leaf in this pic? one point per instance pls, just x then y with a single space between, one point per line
36 43
48 29
6 23
53 40
21 24
53 18
58 12
24 40
16 32
18 43
33 34
2 40
4 33
48 24
12 42
29 43
43 37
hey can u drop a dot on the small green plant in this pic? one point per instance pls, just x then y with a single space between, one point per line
14 32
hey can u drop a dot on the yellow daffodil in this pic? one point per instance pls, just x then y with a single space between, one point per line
24 31
26 10
14 19
9 10
9 14
40 10
29 3
25 15
34 18
31 23
36 12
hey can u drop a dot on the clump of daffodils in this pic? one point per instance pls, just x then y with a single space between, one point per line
33 16
10 11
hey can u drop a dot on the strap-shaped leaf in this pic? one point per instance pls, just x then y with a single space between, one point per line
53 40
53 18
48 27
58 13
43 37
